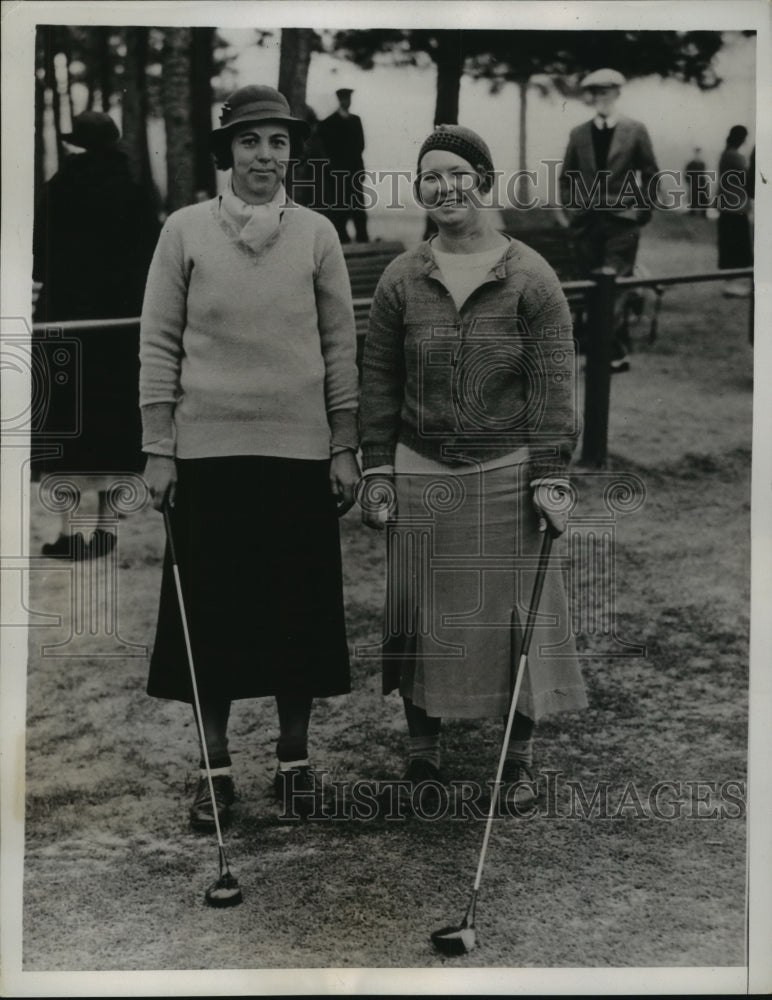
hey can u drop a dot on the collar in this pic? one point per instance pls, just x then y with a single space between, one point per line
611 121
430 261
247 208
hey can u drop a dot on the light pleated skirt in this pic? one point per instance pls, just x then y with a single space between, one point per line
462 557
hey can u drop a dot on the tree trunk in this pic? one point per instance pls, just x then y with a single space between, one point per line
201 87
294 60
522 181
48 37
134 109
450 68
178 118
40 86
104 78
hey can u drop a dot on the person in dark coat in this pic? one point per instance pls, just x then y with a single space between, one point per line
735 248
344 142
696 184
616 151
94 235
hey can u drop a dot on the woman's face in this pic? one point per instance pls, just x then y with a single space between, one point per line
449 188
261 153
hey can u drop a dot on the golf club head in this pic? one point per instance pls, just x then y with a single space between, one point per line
224 892
454 940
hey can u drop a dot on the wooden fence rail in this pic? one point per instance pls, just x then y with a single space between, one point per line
601 293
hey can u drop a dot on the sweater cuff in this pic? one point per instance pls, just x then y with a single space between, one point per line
158 429
377 455
343 429
549 466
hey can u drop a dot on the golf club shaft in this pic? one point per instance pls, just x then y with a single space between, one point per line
538 586
194 685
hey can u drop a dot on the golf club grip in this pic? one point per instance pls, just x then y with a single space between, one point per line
168 527
538 587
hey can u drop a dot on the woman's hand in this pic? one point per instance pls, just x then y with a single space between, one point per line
344 477
378 500
552 502
161 478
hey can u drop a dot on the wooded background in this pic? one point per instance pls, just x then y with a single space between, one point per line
181 75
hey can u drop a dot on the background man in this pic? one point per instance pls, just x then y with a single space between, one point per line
604 188
344 141
697 184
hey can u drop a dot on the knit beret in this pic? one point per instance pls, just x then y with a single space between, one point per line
463 142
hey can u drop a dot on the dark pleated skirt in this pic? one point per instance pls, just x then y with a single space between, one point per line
258 551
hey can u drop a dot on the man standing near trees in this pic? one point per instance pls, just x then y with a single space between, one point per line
608 170
344 143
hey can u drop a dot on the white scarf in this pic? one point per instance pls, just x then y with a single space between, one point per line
255 223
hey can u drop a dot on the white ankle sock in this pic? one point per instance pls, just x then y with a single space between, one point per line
521 751
216 771
287 765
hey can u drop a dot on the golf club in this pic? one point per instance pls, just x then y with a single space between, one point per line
462 938
225 890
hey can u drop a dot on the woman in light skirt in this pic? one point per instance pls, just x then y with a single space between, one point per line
468 425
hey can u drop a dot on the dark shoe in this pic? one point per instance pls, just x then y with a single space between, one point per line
67 547
201 814
419 769
622 365
298 792
102 542
428 794
518 790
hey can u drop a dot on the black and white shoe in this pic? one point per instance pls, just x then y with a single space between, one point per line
297 791
201 813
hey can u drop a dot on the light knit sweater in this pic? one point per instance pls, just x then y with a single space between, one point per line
245 351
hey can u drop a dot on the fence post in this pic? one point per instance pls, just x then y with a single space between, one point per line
597 377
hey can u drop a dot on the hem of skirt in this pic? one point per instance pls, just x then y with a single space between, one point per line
573 699
187 699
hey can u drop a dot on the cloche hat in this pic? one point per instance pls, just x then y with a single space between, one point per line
256 103
93 130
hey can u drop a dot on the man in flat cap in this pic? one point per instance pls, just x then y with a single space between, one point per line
344 141
609 170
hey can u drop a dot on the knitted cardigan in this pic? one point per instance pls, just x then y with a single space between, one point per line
243 351
475 384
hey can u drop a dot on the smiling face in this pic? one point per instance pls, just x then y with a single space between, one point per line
449 188
261 153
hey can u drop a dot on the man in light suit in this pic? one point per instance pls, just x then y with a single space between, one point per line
609 170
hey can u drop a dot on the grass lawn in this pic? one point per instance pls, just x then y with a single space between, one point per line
114 879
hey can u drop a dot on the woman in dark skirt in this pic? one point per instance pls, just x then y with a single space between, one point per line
735 248
248 390
95 230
